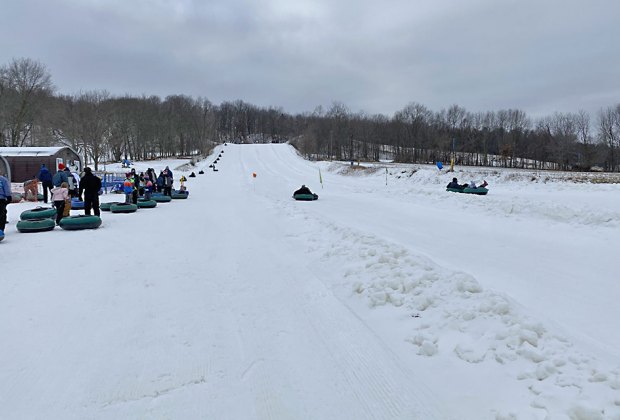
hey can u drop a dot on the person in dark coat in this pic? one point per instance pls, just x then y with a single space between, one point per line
455 184
303 190
45 177
89 187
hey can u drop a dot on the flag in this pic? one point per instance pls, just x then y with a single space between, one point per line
320 178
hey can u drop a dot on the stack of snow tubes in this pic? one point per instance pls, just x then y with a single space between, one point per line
40 219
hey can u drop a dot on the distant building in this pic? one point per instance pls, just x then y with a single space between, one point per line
23 163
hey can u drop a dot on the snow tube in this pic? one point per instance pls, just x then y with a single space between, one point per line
146 204
80 222
40 197
77 204
1 235
161 198
38 213
35 225
305 197
477 191
179 194
106 206
17 197
123 208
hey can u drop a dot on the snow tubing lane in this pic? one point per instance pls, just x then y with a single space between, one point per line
161 198
38 213
123 208
106 206
77 204
305 197
146 204
477 191
35 225
179 195
80 222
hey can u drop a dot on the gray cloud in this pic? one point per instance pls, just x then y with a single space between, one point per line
540 57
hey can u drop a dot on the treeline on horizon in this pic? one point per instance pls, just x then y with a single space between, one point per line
102 127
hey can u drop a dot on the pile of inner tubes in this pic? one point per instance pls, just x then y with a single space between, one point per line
123 208
35 225
38 213
80 222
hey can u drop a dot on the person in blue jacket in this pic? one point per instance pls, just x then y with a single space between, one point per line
45 177
5 198
60 176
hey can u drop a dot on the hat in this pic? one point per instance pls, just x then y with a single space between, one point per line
453 179
61 166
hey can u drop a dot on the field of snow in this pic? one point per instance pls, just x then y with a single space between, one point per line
388 298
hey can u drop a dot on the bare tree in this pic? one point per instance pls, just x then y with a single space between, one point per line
25 83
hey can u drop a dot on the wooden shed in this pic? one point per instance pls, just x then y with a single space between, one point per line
24 162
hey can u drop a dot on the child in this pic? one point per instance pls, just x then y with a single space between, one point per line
60 196
148 187
128 189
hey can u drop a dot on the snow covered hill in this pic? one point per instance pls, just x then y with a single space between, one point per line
388 298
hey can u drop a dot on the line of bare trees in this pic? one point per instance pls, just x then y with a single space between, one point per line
102 127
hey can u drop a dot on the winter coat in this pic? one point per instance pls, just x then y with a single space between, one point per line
128 186
44 176
90 184
59 178
5 188
60 194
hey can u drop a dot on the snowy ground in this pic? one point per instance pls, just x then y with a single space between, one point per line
388 298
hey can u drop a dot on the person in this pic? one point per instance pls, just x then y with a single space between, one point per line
60 176
472 184
303 190
90 185
128 188
167 181
31 189
136 186
192 175
72 182
148 187
45 177
60 196
455 184
5 198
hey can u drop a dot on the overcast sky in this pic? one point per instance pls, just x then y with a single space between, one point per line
540 56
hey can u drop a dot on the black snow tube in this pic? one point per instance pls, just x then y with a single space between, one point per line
106 206
180 194
80 222
123 208
161 198
35 225
146 204
38 213
305 197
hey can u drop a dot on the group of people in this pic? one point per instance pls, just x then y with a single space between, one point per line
64 174
145 183
88 191
455 185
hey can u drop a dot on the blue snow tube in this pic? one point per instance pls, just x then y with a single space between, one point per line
77 204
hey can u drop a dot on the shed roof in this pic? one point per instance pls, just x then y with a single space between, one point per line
30 151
